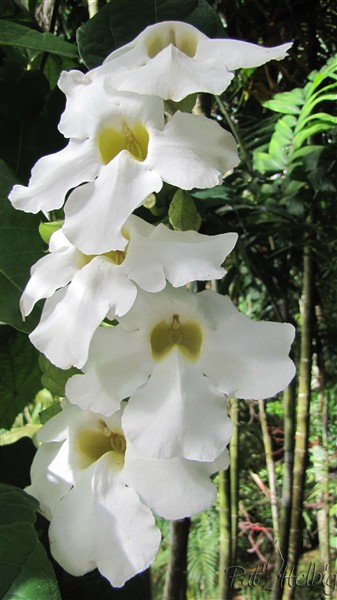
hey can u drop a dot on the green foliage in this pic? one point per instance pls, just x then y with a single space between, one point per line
21 247
301 121
183 214
20 374
53 378
26 570
203 555
13 34
119 22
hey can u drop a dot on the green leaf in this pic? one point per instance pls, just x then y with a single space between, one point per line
21 246
289 103
120 21
20 376
13 34
265 163
50 412
183 214
47 229
53 378
27 573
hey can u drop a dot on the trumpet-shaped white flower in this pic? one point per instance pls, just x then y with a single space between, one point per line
99 492
176 355
106 285
122 153
174 59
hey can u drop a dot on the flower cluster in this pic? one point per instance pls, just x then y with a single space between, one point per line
145 424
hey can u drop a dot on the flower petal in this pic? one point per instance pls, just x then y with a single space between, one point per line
246 358
178 256
119 362
91 103
96 212
47 486
178 412
173 59
70 318
54 175
98 519
235 54
182 157
48 274
173 489
183 76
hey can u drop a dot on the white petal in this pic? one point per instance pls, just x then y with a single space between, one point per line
182 157
172 60
54 175
183 76
235 54
70 318
47 486
173 489
246 358
178 412
179 257
119 362
47 275
150 309
102 523
91 103
96 212
79 120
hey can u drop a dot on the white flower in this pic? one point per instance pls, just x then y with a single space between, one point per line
99 494
106 285
176 354
121 150
174 59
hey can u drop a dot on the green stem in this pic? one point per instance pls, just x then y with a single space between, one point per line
225 561
302 426
234 131
234 476
270 468
93 7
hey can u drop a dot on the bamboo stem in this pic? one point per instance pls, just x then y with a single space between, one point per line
270 468
225 590
234 476
302 427
176 575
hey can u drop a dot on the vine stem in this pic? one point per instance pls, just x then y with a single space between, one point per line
234 131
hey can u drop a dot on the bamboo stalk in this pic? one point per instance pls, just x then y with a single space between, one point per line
270 468
176 575
234 476
302 426
225 590
281 551
323 516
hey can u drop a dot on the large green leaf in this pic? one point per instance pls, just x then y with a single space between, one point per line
13 34
26 571
20 377
21 246
121 21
